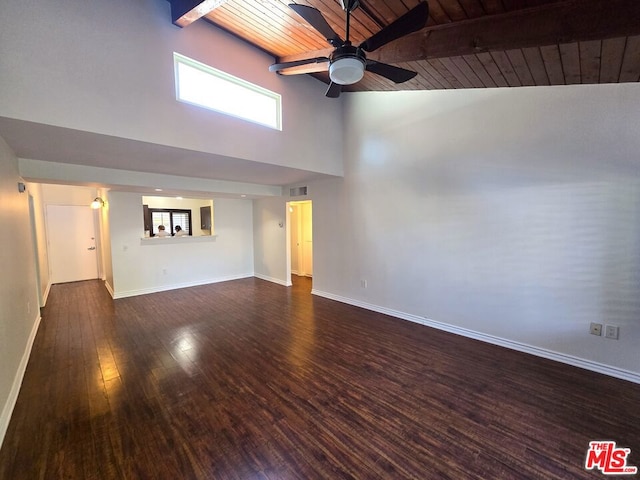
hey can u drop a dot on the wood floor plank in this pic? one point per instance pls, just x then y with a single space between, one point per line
248 379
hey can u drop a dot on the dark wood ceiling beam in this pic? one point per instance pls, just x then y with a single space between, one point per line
556 23
185 12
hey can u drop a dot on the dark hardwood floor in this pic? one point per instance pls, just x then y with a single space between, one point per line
252 380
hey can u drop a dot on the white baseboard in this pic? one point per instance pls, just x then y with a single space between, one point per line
45 295
109 288
273 280
175 286
503 342
7 410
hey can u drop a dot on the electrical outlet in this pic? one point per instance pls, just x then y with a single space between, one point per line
595 329
611 331
164 271
363 283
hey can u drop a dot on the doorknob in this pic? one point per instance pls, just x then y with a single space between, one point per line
91 248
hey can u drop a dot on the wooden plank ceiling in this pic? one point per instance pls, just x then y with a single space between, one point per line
466 44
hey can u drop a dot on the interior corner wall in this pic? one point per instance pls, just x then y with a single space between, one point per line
108 68
270 239
19 312
35 190
153 265
511 215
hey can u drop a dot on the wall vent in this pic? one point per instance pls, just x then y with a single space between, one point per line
297 191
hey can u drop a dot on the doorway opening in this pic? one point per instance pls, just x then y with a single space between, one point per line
300 242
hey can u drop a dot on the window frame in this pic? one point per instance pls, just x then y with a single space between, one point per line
179 59
170 211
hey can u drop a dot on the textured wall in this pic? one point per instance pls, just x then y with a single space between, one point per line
19 313
512 213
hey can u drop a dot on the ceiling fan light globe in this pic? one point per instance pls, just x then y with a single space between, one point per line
346 71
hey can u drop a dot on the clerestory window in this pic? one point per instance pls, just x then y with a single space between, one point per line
205 86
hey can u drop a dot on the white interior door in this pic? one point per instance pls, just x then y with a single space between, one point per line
71 236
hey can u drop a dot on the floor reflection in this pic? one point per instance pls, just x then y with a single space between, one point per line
303 327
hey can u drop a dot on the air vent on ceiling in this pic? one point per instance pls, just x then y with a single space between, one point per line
297 191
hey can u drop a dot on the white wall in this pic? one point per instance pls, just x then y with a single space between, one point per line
511 215
127 180
35 191
139 266
53 194
512 212
108 68
19 312
270 239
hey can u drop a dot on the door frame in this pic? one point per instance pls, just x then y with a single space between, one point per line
96 237
36 250
289 228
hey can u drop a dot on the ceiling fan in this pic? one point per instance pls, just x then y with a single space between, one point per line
347 62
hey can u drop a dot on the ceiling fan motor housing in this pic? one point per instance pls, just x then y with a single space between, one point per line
347 65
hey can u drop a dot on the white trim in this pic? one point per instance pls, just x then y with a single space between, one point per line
45 295
109 289
175 240
483 337
284 283
7 410
230 85
175 286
